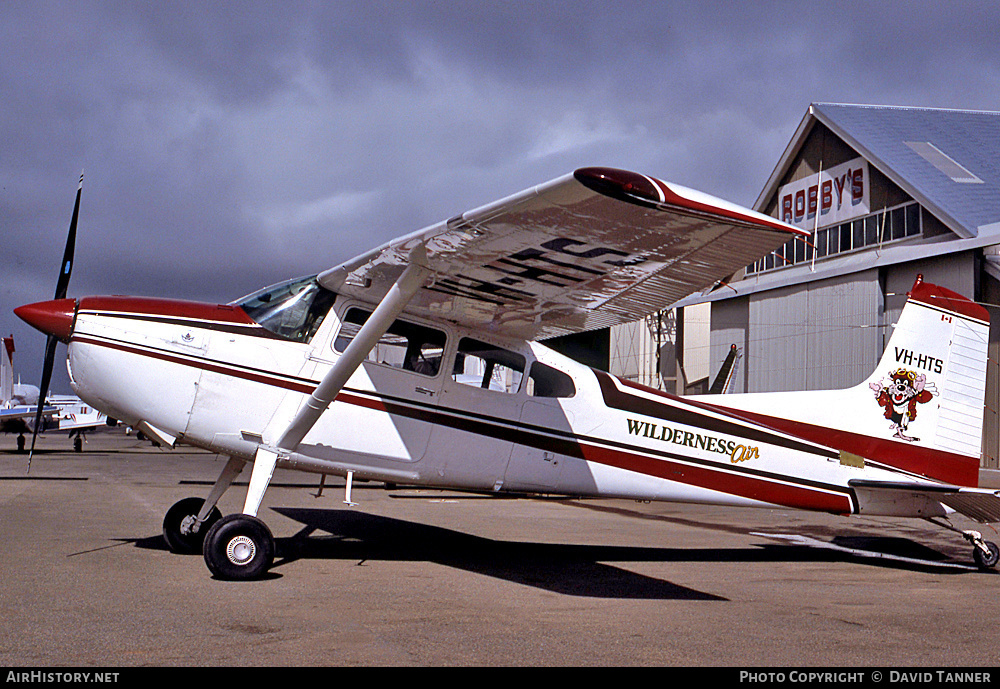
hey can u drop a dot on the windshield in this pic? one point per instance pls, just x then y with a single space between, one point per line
292 309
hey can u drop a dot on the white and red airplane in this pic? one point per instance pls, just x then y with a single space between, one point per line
420 363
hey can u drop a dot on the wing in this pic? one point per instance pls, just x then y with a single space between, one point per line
16 418
17 413
591 249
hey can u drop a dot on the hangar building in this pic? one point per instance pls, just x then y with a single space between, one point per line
887 193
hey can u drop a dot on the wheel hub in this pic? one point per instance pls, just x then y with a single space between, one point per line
189 525
241 550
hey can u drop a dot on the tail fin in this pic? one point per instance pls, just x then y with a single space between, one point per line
932 374
927 393
6 369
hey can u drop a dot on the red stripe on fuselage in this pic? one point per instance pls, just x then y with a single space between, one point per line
739 484
682 470
939 465
166 308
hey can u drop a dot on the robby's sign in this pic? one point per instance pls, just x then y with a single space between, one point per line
838 194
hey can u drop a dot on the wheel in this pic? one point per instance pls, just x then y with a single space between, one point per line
984 561
78 443
20 443
239 547
178 523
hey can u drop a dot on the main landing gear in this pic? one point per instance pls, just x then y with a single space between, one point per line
235 547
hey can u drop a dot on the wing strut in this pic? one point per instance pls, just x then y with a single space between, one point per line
326 392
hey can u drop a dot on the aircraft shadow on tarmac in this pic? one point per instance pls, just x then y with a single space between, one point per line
577 570
569 569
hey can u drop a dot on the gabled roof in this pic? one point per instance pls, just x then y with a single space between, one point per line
947 160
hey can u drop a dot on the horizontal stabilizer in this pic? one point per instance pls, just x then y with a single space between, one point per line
979 504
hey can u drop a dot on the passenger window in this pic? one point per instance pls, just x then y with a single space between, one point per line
406 346
545 381
487 366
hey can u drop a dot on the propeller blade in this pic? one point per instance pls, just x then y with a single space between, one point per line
62 286
43 391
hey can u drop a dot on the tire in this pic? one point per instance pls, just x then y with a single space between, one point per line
178 539
984 561
238 547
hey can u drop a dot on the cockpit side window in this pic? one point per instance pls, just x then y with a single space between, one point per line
292 310
405 345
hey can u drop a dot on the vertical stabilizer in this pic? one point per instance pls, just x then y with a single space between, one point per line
935 362
6 369
927 393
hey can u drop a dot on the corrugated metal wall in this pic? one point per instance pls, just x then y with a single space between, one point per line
817 336
633 353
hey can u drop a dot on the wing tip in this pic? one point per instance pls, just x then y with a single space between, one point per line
640 189
620 184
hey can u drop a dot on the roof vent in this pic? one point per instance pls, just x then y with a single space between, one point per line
933 155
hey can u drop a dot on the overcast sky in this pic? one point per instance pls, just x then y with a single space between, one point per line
231 145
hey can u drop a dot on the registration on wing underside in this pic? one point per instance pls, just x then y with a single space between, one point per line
561 258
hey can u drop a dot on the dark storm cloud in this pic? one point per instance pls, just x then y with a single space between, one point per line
228 145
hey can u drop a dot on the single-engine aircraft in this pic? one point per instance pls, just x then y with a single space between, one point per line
420 363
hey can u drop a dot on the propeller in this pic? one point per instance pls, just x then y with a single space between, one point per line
62 286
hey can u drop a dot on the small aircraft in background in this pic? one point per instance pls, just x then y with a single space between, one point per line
19 407
421 362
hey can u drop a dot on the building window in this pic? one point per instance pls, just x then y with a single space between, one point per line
890 225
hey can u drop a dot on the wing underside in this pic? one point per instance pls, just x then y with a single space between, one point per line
591 249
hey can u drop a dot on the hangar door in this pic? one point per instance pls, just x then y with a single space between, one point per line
817 336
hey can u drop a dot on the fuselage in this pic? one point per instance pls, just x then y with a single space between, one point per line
436 405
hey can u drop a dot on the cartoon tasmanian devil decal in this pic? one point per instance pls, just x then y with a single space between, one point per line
900 397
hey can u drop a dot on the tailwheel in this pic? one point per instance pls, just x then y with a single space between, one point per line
239 547
986 554
181 529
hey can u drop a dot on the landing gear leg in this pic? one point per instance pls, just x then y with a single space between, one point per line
240 546
187 522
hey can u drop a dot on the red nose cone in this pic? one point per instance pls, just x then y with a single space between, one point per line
51 317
